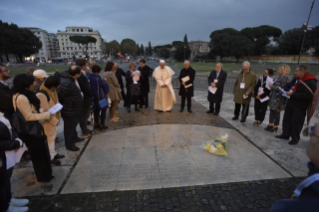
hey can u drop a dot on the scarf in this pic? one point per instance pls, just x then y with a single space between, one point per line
33 99
305 78
53 96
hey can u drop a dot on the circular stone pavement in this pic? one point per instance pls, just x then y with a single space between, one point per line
166 155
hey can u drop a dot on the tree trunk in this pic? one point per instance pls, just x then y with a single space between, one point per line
237 59
1 59
17 59
20 57
7 57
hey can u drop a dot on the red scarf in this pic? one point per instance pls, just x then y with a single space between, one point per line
305 78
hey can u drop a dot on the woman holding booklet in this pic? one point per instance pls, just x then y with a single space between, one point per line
262 91
276 101
49 98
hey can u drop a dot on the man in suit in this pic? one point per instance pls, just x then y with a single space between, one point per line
186 89
87 98
119 74
6 93
146 72
216 80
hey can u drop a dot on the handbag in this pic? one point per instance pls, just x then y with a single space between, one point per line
102 103
23 127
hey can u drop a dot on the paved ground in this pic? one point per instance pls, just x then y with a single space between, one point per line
252 195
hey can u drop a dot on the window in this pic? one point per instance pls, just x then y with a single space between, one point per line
77 30
64 53
73 30
63 48
75 48
71 48
62 44
81 30
68 53
38 33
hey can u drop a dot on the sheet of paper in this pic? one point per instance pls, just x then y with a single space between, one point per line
185 79
245 97
260 91
136 76
190 85
269 81
242 85
264 99
56 108
212 90
14 157
284 93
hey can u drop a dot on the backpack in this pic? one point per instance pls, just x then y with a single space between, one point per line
45 93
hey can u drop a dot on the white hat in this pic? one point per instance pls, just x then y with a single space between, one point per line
39 73
162 61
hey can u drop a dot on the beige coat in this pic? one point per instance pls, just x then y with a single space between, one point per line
114 93
48 125
250 83
28 111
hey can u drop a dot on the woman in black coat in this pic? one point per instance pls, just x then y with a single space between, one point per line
8 141
262 92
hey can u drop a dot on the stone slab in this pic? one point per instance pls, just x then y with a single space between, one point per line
166 155
24 182
292 158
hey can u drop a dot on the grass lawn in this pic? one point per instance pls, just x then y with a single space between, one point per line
255 67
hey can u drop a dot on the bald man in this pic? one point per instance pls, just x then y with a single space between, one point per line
164 93
186 89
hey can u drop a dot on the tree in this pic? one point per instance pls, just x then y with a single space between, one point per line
220 45
128 46
83 42
241 46
227 31
177 43
290 41
142 49
114 45
150 49
183 51
164 53
316 53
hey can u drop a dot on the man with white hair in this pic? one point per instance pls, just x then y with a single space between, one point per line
216 81
242 91
186 89
164 93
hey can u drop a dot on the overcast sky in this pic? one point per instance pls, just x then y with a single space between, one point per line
158 21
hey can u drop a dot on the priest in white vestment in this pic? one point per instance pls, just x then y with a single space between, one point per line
164 93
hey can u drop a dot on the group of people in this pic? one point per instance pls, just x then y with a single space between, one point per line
280 94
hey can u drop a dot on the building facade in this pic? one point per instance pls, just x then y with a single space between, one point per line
198 48
44 53
69 49
54 45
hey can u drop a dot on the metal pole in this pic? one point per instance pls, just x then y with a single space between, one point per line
305 30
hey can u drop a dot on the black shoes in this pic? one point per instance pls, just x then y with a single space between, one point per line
242 120
103 127
181 110
209 111
235 118
137 110
274 129
190 111
268 128
57 156
282 137
216 113
128 110
55 162
80 139
293 142
74 149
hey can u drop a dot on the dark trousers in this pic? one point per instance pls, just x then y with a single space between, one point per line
70 133
293 122
189 102
99 121
5 188
132 99
124 97
274 117
214 106
237 110
144 100
260 110
85 114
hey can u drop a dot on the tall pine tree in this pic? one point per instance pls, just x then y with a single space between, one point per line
142 49
150 48
183 51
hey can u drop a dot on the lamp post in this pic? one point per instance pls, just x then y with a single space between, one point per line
305 28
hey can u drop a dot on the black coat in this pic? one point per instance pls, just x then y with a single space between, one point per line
69 96
146 72
86 90
218 96
6 105
6 144
302 97
190 90
119 74
266 91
